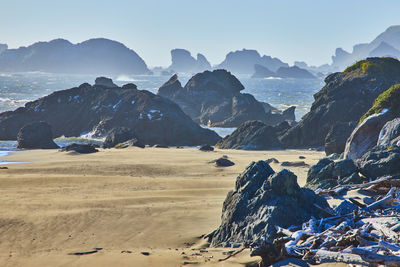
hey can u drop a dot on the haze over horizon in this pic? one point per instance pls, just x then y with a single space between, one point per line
290 30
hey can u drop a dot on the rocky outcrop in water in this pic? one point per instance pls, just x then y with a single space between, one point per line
294 72
182 61
215 98
36 135
60 56
262 200
262 72
344 99
98 110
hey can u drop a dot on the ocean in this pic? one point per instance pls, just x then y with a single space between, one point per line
16 89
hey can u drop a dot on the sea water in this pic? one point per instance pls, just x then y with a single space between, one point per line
16 89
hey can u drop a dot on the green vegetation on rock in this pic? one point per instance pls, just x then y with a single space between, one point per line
385 67
389 99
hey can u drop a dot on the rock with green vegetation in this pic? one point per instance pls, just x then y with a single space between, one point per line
345 98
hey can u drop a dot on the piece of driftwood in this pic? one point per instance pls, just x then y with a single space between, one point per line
323 256
372 257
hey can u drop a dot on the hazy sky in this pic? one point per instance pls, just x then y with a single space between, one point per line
308 30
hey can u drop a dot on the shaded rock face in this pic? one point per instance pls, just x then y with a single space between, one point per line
366 135
335 140
214 98
345 98
118 135
262 200
327 173
130 143
251 135
60 56
182 61
106 82
294 72
262 72
390 133
36 135
379 162
97 109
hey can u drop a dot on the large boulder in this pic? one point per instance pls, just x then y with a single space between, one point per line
261 201
380 162
36 135
215 99
327 173
98 109
345 98
251 135
366 135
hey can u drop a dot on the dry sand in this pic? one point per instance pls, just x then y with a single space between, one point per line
124 201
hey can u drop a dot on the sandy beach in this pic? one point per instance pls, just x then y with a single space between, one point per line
123 202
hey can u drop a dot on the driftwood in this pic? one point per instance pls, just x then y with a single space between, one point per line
372 257
323 256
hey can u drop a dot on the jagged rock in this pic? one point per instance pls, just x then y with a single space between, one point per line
335 140
272 160
106 82
352 179
327 173
366 135
377 163
118 135
98 110
130 143
390 133
36 135
182 61
345 98
206 148
129 86
251 135
80 148
294 164
93 56
214 98
262 200
294 72
345 207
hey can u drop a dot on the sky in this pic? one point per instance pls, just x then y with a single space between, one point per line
292 30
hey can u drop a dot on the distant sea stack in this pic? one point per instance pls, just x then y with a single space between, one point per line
243 61
283 72
3 47
94 56
341 102
215 99
183 62
103 107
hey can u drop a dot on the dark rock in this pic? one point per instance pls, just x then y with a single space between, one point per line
389 134
206 148
345 98
130 143
98 110
36 135
251 135
294 72
335 140
214 98
129 86
327 173
262 200
223 162
118 135
294 164
106 82
80 148
377 163
160 146
272 160
366 135
302 157
93 56
182 61
352 179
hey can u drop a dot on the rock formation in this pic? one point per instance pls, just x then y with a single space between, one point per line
344 99
183 62
294 72
98 109
262 72
214 98
262 200
60 56
36 135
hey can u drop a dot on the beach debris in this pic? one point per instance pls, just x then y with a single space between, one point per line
145 253
160 146
302 157
357 232
272 160
3 168
206 148
95 250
